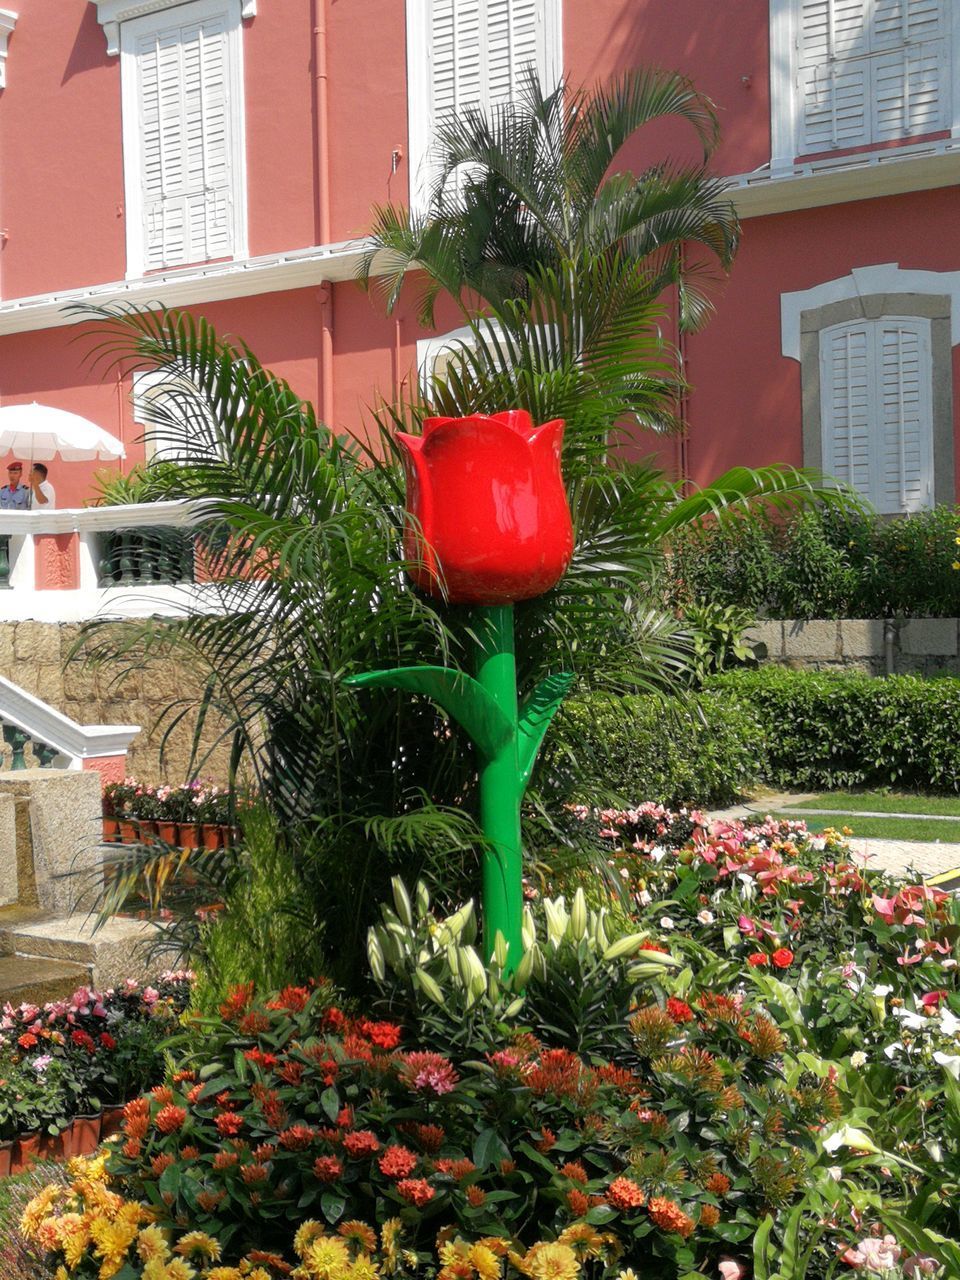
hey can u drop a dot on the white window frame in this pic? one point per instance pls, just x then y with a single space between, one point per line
8 20
418 88
110 14
157 445
153 20
785 123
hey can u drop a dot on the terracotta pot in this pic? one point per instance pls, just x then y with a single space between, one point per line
167 831
6 1157
212 835
85 1135
25 1151
111 830
189 835
148 830
129 832
110 1121
53 1146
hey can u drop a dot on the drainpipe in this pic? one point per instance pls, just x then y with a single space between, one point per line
683 458
889 636
323 223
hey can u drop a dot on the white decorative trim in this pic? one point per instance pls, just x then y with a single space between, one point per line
86 602
783 89
429 348
841 179
194 10
209 282
861 282
76 741
8 20
110 13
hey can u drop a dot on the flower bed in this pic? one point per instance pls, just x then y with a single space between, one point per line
66 1067
755 1061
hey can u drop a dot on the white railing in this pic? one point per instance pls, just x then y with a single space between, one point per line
74 564
37 735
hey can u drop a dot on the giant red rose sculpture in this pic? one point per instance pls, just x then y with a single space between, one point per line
489 521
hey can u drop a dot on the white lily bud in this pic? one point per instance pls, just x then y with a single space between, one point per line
401 900
624 946
423 899
427 985
578 916
513 1008
501 949
375 957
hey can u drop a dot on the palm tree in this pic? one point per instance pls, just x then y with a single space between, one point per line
529 187
304 532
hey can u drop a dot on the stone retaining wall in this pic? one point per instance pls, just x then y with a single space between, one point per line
922 646
34 656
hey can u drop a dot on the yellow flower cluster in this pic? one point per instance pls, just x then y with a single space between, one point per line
91 1231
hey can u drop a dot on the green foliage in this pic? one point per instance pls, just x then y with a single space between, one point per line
717 632
702 749
825 730
828 562
145 482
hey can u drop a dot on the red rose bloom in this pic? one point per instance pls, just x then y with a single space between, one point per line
488 516
783 958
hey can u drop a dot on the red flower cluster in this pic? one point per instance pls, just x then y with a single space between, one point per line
397 1162
625 1194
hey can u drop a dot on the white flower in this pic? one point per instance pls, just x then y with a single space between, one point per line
912 1021
644 897
949 963
666 923
706 917
950 1062
858 1059
882 991
835 1172
949 1022
892 1050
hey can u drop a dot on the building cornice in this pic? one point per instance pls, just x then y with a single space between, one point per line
8 20
272 273
110 13
839 180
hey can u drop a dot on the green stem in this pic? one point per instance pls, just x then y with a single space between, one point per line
501 788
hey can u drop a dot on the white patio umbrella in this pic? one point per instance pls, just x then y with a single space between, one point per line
39 431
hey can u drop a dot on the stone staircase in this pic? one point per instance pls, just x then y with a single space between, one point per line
47 957
51 868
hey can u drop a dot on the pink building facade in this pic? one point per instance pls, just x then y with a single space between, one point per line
224 155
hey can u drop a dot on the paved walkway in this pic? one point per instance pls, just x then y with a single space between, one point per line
926 857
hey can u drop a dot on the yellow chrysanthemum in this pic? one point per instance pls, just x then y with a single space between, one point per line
584 1240
259 1273
60 1274
74 1238
224 1273
327 1258
307 1233
198 1246
484 1261
358 1234
551 1262
38 1209
111 1240
496 1244
364 1268
389 1244
152 1243
179 1269
628 1274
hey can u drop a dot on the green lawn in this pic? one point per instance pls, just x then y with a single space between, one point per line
881 828
883 802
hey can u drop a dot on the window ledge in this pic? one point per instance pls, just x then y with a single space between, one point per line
110 13
8 21
840 179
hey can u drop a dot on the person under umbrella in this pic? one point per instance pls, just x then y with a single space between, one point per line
42 492
14 496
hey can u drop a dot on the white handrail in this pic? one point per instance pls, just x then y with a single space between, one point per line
77 742
176 514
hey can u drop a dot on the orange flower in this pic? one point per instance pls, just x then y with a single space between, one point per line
416 1191
169 1119
624 1193
668 1216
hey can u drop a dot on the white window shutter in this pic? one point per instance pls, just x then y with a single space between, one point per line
455 73
905 435
876 404
515 41
871 71
186 170
847 402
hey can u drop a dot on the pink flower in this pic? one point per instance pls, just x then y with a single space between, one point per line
874 1254
150 995
919 1265
730 1269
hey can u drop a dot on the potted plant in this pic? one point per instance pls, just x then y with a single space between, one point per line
166 815
118 800
183 807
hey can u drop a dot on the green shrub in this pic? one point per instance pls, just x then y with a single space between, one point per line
842 730
698 750
824 563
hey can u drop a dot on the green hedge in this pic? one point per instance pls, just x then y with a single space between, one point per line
823 563
702 750
799 730
831 730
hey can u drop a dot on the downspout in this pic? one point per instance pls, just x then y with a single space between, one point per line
323 202
683 458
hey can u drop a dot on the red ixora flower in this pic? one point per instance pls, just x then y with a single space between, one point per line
327 1168
624 1193
228 1124
679 1010
758 959
488 520
169 1119
782 958
416 1191
360 1143
397 1162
